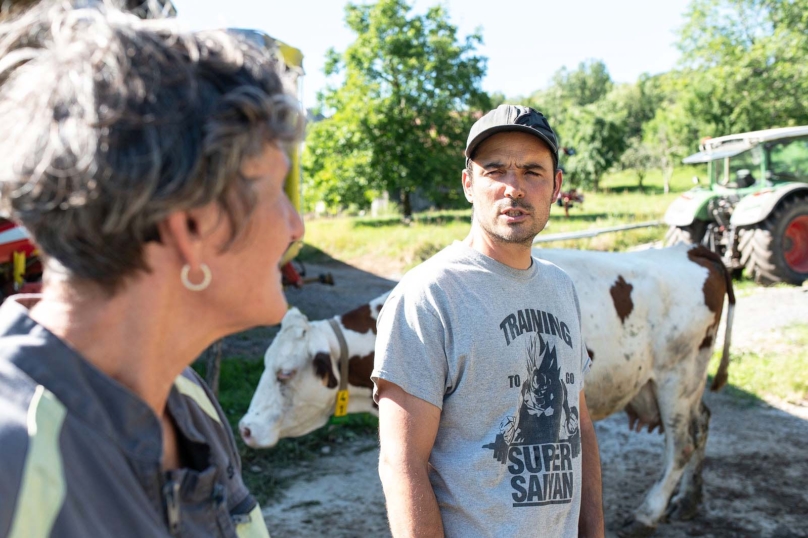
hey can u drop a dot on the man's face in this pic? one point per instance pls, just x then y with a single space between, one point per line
512 187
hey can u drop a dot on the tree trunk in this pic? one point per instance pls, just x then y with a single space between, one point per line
640 176
406 205
667 176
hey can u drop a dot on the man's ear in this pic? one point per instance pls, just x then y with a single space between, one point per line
467 181
557 181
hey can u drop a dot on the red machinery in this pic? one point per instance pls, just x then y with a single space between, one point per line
293 276
20 267
568 199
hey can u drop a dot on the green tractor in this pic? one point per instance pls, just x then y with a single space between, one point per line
754 212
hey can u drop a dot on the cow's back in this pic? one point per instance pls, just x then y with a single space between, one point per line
642 312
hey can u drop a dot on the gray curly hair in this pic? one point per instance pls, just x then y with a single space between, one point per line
109 123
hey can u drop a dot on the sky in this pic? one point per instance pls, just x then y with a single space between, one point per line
526 41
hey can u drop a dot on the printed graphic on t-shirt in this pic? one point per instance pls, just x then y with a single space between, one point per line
538 443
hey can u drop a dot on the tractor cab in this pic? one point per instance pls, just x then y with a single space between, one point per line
753 209
758 159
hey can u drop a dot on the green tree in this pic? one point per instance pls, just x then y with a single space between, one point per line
639 157
589 115
637 102
398 121
587 84
746 64
744 67
597 134
568 90
669 136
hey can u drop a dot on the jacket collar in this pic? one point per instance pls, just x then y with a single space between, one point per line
91 396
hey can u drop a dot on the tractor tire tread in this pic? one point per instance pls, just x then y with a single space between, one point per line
689 235
759 250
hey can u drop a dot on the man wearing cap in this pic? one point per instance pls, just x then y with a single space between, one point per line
480 363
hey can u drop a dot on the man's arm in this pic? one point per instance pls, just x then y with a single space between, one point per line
407 430
590 521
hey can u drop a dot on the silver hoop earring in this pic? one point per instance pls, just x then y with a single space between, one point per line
206 277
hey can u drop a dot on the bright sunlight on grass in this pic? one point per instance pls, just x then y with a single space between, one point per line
352 238
780 371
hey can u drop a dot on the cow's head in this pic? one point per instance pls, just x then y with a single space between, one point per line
297 391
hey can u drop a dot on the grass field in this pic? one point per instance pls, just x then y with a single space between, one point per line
779 372
407 244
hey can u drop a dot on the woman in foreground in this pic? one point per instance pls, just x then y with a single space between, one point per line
148 165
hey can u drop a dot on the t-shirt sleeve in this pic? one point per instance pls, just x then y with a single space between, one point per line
586 360
410 348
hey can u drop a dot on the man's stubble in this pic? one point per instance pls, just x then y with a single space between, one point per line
525 237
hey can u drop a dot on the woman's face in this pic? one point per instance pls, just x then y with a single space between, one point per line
246 276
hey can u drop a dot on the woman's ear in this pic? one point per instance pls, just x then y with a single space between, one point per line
180 231
193 233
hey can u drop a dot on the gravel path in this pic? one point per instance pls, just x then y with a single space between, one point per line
754 480
760 313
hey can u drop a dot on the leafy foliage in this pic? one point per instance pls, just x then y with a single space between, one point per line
598 137
399 120
743 69
410 90
587 84
640 158
749 56
580 108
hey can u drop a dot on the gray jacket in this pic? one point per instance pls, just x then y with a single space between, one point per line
80 455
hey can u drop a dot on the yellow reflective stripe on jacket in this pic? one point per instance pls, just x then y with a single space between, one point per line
198 395
255 527
42 491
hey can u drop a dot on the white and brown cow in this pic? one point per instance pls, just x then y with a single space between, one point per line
649 319
298 389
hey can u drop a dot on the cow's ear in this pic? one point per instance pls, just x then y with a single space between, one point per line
324 369
294 317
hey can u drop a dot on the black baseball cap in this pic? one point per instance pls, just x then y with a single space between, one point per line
512 118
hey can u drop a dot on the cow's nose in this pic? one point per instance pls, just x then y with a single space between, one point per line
245 432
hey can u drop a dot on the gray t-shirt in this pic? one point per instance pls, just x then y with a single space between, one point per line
500 352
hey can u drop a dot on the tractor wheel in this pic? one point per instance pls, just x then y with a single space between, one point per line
776 250
690 235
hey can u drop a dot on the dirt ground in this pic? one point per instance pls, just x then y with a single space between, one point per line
755 473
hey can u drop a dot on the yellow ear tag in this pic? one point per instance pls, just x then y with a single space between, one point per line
341 409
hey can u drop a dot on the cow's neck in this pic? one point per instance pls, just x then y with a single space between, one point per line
361 394
333 343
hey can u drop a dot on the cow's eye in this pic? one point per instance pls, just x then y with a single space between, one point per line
285 375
